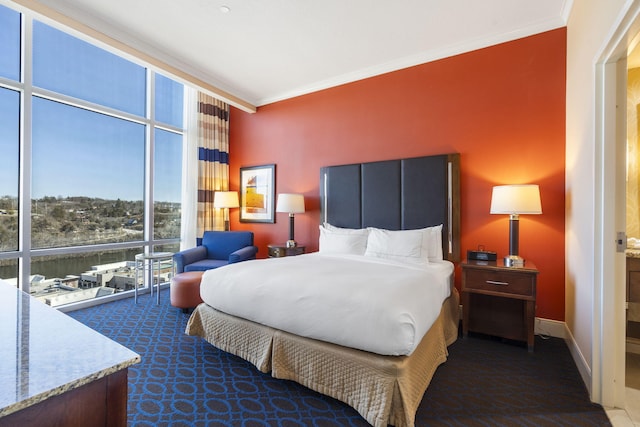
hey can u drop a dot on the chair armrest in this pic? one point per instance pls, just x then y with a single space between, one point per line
188 256
244 254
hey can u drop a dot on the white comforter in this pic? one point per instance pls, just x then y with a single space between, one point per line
362 302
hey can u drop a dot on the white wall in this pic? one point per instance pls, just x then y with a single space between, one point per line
589 30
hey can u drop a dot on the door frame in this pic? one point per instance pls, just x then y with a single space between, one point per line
608 367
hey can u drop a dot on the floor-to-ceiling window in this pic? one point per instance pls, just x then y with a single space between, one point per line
10 24
90 162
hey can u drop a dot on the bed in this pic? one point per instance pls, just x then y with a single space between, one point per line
382 379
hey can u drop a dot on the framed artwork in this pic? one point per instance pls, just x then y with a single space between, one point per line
257 194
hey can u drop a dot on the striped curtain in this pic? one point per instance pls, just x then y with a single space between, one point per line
213 161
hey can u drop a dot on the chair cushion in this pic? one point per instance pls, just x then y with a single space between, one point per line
205 264
220 244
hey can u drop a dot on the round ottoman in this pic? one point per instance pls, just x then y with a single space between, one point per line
185 290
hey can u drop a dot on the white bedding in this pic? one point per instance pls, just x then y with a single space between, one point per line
367 303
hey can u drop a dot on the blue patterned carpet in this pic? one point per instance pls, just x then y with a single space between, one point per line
184 381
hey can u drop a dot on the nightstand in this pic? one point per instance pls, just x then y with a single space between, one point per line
278 251
499 300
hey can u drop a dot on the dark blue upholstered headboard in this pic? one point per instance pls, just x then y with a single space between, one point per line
402 194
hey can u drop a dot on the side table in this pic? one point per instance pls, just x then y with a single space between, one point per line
278 251
149 266
499 300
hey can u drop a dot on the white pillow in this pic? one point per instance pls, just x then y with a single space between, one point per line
432 242
346 230
401 245
336 240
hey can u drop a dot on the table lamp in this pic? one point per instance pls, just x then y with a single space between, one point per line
291 204
515 200
225 200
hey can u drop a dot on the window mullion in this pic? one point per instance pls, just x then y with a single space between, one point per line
86 105
149 160
24 233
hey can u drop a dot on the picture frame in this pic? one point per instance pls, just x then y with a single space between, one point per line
258 193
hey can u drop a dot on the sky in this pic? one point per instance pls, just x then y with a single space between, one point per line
9 120
9 116
77 152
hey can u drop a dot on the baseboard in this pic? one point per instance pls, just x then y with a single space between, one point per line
550 328
578 358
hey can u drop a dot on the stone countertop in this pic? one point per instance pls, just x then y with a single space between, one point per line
45 353
632 253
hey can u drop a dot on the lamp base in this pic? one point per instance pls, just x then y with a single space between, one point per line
513 261
291 244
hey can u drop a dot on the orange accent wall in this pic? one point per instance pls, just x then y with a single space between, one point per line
502 108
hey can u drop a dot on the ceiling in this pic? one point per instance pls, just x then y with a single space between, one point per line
262 51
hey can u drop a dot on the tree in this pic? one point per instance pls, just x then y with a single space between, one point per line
58 212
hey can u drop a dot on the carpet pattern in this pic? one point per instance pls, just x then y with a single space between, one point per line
184 381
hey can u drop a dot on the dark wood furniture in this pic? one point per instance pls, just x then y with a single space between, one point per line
633 293
499 300
278 251
102 402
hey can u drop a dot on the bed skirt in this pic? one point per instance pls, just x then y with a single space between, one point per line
383 389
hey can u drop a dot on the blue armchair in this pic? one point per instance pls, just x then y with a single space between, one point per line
218 248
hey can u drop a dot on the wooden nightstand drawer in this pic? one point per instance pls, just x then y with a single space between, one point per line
499 281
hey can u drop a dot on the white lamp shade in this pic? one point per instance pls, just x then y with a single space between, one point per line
225 199
290 203
516 199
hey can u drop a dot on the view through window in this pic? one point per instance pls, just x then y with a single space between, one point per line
94 201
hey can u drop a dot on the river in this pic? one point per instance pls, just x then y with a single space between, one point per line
75 264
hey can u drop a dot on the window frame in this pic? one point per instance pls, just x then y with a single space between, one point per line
27 91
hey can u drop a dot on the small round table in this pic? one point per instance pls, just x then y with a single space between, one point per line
151 263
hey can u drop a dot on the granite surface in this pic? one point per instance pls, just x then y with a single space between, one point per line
632 253
45 353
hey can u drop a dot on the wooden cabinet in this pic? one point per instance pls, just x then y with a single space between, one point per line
278 251
499 300
633 297
102 402
633 279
